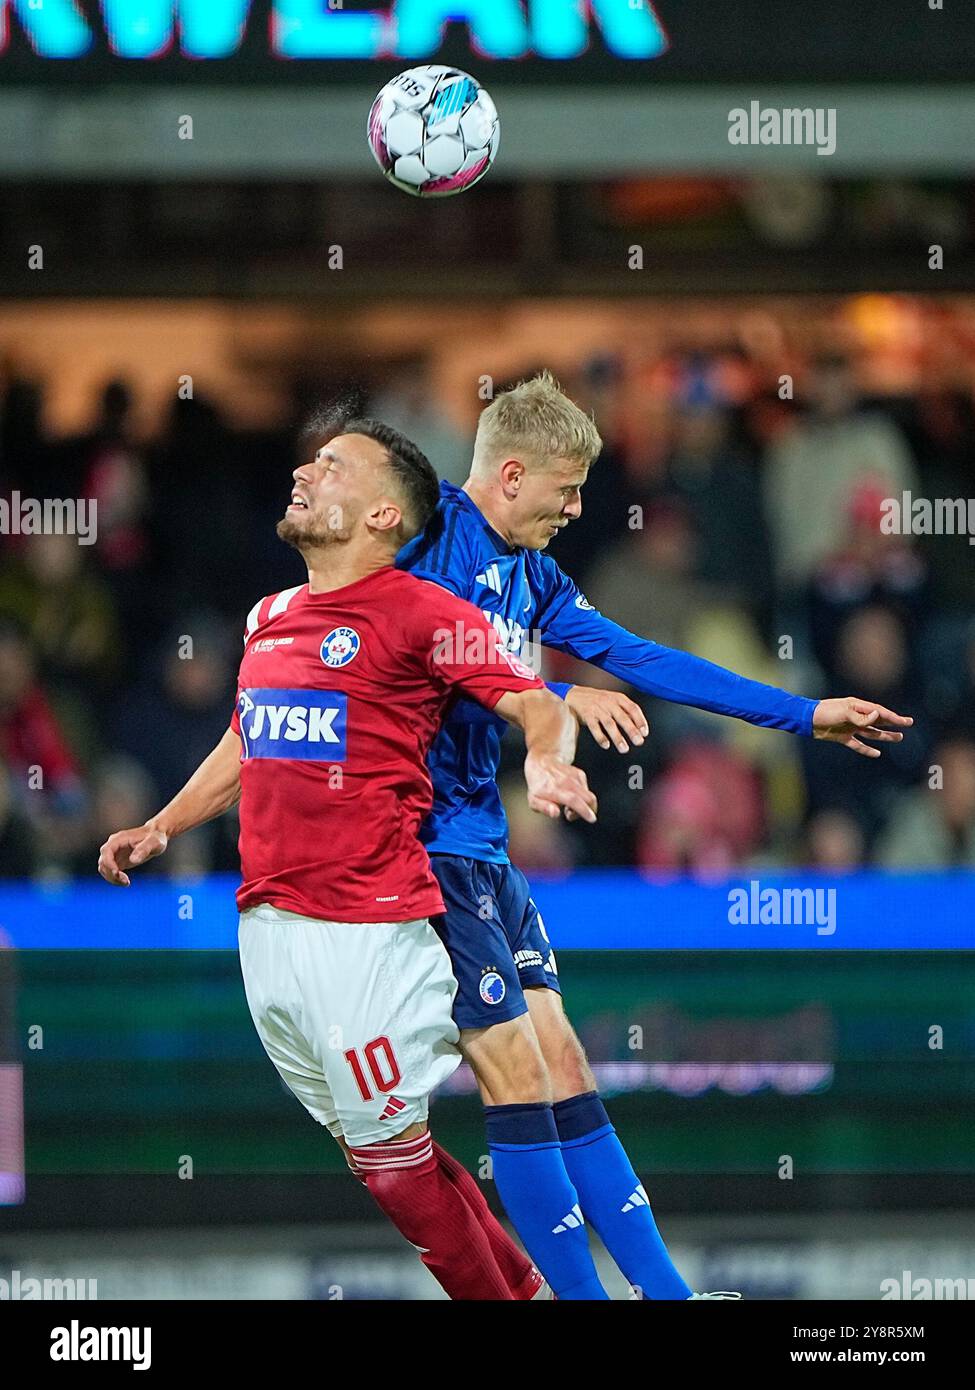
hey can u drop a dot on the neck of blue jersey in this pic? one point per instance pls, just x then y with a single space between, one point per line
467 501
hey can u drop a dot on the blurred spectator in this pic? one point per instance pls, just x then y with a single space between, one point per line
18 838
200 480
109 470
648 582
115 478
33 746
44 776
23 449
534 842
173 718
834 842
940 428
180 710
872 656
704 815
408 403
867 568
934 826
720 487
66 609
811 473
122 795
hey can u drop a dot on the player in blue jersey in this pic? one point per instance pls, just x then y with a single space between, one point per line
556 1156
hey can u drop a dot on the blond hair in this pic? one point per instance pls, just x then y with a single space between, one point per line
537 419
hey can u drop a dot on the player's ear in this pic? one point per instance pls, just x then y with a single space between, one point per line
385 515
512 476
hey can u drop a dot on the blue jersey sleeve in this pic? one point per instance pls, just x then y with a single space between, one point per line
568 623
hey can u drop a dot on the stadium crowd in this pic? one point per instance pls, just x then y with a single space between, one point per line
723 518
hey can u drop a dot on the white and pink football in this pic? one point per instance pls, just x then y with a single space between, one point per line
434 131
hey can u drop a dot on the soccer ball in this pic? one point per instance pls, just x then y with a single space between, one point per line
434 131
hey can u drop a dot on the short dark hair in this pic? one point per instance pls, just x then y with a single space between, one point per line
412 472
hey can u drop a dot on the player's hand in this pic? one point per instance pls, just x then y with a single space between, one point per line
128 849
609 716
848 720
554 786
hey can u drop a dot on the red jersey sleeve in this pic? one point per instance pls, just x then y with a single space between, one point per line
460 650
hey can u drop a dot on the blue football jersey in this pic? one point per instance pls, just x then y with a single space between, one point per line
524 593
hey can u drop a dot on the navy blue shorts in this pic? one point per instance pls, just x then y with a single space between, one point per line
495 937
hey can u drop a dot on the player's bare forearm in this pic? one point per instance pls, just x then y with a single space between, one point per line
550 730
213 789
545 720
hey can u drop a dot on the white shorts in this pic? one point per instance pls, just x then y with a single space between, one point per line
356 1018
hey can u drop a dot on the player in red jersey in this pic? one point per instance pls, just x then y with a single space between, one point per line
341 689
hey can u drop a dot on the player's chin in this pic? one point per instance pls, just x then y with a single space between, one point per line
297 530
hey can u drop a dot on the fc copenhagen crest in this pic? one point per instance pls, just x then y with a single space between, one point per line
340 646
492 987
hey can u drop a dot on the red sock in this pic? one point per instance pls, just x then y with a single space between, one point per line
406 1180
521 1276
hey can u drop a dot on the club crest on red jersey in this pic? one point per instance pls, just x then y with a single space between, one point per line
340 646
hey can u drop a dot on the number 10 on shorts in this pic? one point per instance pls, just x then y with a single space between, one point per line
382 1066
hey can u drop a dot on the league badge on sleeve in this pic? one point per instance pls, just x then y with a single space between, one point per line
340 646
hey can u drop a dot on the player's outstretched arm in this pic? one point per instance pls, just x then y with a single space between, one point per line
848 720
554 785
213 789
567 622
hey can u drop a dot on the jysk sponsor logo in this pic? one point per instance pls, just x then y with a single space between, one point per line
340 646
305 724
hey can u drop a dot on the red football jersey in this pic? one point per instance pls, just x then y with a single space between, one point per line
338 699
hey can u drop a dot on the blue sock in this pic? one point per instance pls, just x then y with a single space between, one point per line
612 1197
539 1198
